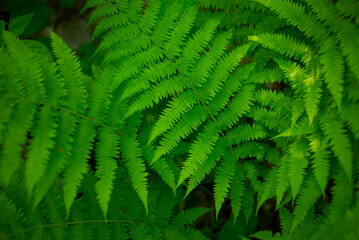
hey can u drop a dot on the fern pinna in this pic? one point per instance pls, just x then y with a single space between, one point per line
258 99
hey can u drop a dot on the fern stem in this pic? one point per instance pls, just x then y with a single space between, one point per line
23 231
68 111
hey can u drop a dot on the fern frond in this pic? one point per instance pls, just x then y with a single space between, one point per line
102 230
348 8
104 10
342 197
197 43
44 122
77 165
158 92
239 106
251 150
275 100
248 203
140 232
134 162
267 76
165 170
203 145
269 118
180 30
109 22
43 133
199 113
223 178
268 189
174 234
245 133
320 159
286 220
149 19
283 44
69 68
8 107
297 15
189 216
107 150
282 178
185 101
163 166
14 138
301 128
237 192
265 235
251 173
349 113
294 72
333 67
117 23
92 3
312 94
227 4
199 151
297 109
26 62
191 233
59 155
11 215
180 226
164 210
305 201
350 226
182 129
206 167
334 128
346 31
298 161
168 86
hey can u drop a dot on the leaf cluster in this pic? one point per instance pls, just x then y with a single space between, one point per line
260 98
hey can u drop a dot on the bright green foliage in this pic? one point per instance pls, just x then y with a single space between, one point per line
49 220
257 98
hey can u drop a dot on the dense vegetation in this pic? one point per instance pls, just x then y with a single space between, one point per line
253 104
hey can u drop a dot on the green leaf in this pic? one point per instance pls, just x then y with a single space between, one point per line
223 178
106 153
18 24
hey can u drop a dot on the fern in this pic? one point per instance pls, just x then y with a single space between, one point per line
257 100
